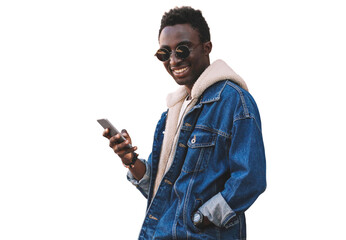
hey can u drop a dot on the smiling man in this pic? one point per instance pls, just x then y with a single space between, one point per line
183 38
207 165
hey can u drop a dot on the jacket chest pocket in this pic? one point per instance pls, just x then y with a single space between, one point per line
201 145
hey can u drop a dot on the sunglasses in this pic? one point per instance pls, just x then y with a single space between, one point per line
181 52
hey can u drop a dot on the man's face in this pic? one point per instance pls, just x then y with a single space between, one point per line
185 71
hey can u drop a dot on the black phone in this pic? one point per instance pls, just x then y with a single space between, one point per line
113 131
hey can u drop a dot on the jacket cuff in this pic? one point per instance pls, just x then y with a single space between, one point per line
218 211
143 184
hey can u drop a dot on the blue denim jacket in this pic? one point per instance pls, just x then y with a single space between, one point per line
218 168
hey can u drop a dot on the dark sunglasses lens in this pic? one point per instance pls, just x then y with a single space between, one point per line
182 52
162 54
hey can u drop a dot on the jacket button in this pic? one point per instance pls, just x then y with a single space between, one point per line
168 182
182 145
188 125
152 217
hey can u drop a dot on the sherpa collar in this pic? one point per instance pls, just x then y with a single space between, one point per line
217 71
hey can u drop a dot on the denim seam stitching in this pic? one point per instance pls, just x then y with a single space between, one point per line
251 116
213 131
217 98
246 110
190 187
174 227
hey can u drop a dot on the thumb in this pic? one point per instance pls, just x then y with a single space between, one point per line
124 133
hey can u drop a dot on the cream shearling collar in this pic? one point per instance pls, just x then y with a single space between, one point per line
216 72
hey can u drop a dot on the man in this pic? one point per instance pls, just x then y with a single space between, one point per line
207 164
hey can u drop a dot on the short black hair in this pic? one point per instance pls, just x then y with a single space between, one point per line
182 15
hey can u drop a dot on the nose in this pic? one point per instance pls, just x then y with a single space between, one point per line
174 60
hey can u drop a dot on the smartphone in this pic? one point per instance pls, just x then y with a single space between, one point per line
113 131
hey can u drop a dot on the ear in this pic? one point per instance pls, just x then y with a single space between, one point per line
207 46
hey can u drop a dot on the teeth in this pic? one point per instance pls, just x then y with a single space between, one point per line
180 70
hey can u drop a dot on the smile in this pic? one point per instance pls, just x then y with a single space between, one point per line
181 70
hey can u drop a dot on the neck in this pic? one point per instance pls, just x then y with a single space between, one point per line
188 91
189 87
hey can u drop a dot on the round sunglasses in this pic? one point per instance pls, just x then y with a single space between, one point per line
182 52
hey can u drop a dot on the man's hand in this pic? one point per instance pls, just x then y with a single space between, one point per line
121 149
206 222
125 153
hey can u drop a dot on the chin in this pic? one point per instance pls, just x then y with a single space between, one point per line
181 81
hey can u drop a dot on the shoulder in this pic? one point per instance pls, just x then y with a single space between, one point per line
232 97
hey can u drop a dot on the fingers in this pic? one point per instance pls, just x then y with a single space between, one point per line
125 134
118 139
114 143
121 149
127 153
106 133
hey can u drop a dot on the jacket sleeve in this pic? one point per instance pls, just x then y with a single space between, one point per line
247 174
143 184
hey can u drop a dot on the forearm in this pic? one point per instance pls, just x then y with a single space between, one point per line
138 170
142 183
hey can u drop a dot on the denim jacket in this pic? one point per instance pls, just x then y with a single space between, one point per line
218 168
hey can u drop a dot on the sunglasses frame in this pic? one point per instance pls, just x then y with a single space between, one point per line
176 52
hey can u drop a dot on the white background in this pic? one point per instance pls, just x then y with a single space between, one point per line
64 64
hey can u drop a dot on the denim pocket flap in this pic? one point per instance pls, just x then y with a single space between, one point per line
201 138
